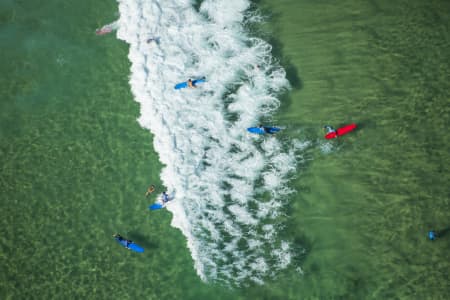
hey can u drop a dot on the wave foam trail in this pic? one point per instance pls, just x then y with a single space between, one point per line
229 186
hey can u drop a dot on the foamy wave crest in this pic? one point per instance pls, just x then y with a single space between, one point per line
229 186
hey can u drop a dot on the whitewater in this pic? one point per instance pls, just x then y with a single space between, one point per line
229 187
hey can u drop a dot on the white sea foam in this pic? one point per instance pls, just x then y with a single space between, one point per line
229 186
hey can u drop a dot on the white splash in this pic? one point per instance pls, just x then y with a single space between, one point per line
229 186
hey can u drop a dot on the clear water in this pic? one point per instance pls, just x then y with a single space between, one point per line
284 217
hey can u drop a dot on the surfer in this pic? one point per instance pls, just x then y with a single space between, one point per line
154 39
165 197
150 190
329 129
432 235
120 238
263 128
331 132
266 129
190 83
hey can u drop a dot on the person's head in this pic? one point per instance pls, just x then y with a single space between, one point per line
190 80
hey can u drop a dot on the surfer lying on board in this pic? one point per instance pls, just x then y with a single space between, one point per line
150 190
190 83
120 238
329 129
331 132
266 129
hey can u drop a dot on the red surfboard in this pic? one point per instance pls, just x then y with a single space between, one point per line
340 131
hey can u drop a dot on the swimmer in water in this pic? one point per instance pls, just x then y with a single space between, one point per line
153 39
150 190
165 197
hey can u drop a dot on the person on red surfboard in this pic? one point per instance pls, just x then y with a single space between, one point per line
331 132
334 133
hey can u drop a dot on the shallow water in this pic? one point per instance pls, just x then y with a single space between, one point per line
365 206
75 164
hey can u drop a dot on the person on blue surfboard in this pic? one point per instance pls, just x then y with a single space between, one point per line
120 238
190 84
266 130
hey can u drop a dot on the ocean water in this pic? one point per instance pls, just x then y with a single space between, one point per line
89 122
229 187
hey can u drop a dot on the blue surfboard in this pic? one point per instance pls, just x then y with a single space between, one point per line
134 247
155 206
263 130
183 85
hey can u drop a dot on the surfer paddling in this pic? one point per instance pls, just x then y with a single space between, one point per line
120 238
330 131
190 83
266 129
334 133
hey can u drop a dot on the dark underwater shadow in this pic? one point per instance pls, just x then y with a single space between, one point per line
197 5
142 240
365 123
286 63
441 233
278 53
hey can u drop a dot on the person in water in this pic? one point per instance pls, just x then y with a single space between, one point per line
150 190
266 129
154 39
329 129
165 197
120 238
432 235
190 83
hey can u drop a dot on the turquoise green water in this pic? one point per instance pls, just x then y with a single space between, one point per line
366 207
75 164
